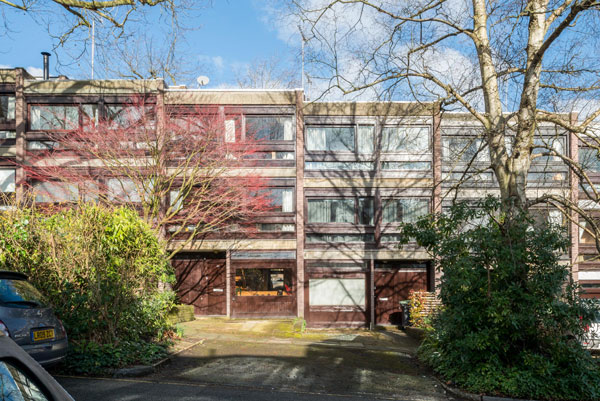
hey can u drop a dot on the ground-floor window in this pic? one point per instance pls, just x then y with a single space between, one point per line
263 282
337 291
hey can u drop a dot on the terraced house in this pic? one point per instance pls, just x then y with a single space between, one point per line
344 176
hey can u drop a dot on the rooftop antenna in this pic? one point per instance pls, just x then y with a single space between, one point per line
93 44
303 40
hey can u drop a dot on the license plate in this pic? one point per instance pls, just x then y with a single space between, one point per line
41 335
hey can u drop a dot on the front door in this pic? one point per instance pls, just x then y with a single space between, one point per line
392 285
201 282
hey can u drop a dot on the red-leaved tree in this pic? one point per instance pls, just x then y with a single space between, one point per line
179 168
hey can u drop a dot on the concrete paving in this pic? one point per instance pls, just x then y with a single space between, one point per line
275 358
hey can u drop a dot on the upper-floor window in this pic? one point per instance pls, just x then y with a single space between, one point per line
405 139
54 117
331 210
341 210
465 149
7 108
589 160
130 116
546 146
404 210
8 134
281 199
267 128
340 139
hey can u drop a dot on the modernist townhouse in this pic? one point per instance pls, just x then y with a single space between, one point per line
344 175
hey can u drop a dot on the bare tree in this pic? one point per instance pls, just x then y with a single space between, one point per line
124 45
174 167
513 65
270 73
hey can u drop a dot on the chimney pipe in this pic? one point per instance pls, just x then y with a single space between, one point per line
46 65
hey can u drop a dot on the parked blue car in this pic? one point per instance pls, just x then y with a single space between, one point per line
28 319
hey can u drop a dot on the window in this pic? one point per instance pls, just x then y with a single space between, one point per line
270 128
331 210
276 227
8 134
332 139
7 108
127 116
42 145
17 385
282 199
229 130
406 166
263 282
589 160
344 166
89 114
123 190
336 238
270 156
7 180
54 117
337 292
554 144
404 210
365 211
53 192
462 149
365 139
405 139
547 177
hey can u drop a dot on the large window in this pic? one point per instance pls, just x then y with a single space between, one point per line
129 116
589 160
55 192
270 128
337 292
263 282
344 166
405 139
404 210
281 199
340 139
546 145
331 210
7 108
338 238
465 150
54 117
123 190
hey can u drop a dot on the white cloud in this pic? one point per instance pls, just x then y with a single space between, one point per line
5 66
35 71
217 63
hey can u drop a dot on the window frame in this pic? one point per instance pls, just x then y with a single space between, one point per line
244 128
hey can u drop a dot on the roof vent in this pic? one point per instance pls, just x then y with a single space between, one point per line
46 65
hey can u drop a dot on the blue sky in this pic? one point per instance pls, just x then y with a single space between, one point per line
230 34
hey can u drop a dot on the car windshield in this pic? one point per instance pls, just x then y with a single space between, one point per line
20 293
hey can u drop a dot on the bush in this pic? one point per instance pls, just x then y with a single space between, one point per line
511 316
100 268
